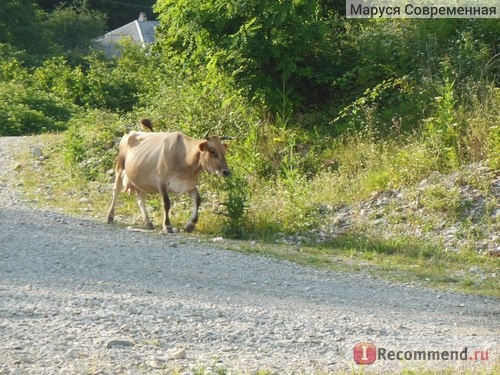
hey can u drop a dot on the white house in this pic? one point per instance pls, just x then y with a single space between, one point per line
141 31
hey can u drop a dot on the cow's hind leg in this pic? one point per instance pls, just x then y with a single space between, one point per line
167 227
194 215
116 191
141 201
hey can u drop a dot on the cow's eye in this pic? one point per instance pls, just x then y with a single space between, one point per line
213 152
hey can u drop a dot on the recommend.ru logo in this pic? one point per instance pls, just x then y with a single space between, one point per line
366 353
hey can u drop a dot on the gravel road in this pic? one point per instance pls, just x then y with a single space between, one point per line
82 297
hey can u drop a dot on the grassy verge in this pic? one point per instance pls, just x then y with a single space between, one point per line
402 261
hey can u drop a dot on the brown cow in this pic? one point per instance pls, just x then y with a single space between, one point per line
163 163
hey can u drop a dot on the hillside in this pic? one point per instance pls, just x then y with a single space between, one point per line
458 211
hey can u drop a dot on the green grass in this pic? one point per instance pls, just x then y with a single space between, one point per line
401 260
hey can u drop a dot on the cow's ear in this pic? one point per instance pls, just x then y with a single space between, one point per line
226 146
203 146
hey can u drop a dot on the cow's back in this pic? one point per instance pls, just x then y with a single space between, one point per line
150 157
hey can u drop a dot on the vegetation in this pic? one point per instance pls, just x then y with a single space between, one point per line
324 110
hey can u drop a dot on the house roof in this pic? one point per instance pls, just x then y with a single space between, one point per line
140 30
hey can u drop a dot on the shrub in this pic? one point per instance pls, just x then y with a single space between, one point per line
25 110
235 205
56 76
444 129
91 142
72 27
264 45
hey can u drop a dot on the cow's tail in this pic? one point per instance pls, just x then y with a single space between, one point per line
120 160
120 164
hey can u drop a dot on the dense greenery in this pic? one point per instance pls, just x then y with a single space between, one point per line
323 109
38 35
275 51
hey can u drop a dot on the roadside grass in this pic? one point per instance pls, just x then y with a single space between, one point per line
52 183
403 260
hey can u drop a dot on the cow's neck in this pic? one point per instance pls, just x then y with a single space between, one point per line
194 161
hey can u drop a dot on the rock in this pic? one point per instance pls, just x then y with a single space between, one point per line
476 270
157 362
494 253
36 152
119 344
178 353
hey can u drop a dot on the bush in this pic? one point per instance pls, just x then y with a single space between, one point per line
235 205
482 136
56 76
25 110
91 142
444 129
264 45
72 27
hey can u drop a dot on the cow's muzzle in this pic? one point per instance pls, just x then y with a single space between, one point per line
225 173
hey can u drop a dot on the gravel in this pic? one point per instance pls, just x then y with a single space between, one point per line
82 297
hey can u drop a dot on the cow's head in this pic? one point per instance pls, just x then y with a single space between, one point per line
213 156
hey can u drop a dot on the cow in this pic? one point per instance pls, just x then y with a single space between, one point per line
166 162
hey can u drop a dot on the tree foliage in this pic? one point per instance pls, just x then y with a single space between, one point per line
25 27
271 49
294 56
72 27
19 25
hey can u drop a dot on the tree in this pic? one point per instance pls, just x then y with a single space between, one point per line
19 25
277 51
72 27
40 34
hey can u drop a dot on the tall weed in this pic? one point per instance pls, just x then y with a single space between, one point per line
235 206
443 129
482 138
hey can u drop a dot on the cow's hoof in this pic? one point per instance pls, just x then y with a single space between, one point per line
190 227
168 229
149 225
111 220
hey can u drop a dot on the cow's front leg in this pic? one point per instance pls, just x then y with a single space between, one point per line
194 215
167 227
141 201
